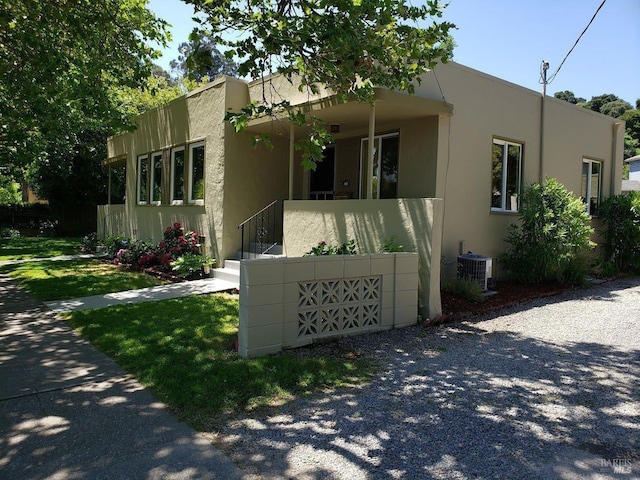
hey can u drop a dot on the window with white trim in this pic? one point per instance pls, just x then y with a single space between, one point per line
506 167
196 172
143 179
177 175
591 181
156 178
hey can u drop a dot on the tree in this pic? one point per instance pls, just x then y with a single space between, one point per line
568 96
632 120
199 58
348 47
58 62
597 102
9 191
615 108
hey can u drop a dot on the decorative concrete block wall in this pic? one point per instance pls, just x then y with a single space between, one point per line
290 302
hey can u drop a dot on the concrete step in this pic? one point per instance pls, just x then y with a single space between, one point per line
232 264
227 274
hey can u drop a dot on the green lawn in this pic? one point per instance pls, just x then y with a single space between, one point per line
23 248
62 280
183 350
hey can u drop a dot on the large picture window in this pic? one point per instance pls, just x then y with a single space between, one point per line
591 180
384 182
177 175
196 173
156 178
143 180
505 177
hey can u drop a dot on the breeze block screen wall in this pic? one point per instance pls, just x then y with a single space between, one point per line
290 302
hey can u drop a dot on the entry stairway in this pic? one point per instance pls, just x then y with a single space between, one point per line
231 270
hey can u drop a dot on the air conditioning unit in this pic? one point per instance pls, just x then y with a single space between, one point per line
475 267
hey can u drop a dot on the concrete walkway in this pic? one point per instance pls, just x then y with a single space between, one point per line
150 294
68 411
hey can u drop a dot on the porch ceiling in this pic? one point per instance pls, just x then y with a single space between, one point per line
353 116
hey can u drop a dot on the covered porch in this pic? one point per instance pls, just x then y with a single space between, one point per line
387 149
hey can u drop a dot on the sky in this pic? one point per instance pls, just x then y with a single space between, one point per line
510 38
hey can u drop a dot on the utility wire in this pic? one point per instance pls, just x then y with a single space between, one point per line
553 75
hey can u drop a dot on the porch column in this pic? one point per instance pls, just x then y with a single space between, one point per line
372 134
291 158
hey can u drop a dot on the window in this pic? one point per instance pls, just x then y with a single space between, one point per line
156 178
143 180
196 173
177 175
505 177
384 183
590 191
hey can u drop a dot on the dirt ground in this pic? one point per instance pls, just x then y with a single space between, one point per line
506 295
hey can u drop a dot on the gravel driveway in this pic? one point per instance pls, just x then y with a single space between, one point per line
550 389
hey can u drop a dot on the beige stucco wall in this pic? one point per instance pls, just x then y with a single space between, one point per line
197 116
416 223
486 107
442 154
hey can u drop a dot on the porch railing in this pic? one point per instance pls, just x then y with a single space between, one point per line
108 224
261 232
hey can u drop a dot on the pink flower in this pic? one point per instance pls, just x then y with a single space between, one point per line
176 225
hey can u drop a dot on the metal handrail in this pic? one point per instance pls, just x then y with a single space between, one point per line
104 219
265 226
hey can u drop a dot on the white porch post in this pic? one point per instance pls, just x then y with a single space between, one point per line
291 158
370 153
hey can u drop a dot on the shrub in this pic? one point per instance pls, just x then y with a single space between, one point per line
138 254
465 288
9 233
551 241
115 244
176 243
89 243
620 215
392 245
348 248
190 264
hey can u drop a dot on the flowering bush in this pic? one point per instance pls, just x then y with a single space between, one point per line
176 243
139 254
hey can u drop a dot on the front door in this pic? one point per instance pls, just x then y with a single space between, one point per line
322 179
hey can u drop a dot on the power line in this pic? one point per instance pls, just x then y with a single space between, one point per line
553 75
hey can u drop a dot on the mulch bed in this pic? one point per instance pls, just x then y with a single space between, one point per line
508 294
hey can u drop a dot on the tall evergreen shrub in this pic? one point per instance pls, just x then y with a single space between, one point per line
551 240
620 215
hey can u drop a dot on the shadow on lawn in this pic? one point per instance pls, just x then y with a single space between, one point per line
67 411
462 401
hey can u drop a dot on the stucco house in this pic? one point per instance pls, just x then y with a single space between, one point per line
448 166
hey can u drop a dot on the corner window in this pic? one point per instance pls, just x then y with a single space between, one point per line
590 190
143 180
156 178
196 173
177 175
505 177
